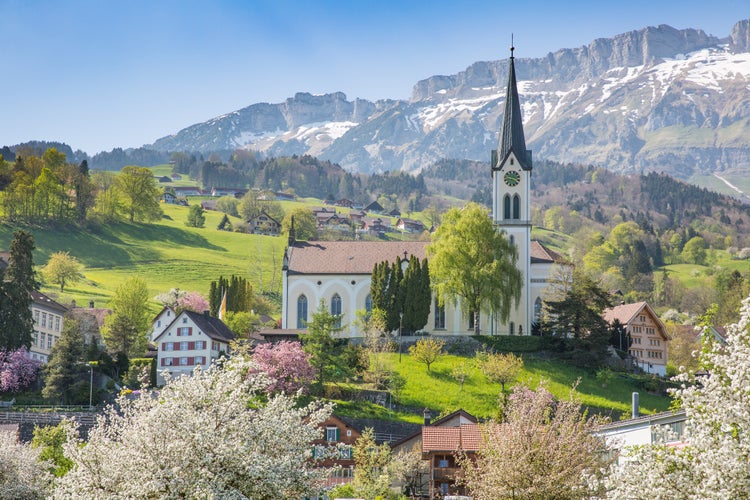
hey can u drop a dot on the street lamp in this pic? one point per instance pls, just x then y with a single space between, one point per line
400 327
91 386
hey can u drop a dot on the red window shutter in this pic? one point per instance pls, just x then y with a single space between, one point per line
162 361
191 361
164 347
190 330
191 346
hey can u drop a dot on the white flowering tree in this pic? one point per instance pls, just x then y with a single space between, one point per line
22 473
205 436
543 448
715 462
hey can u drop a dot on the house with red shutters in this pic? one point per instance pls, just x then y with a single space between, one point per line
191 339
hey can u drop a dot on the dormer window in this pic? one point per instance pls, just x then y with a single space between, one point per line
511 161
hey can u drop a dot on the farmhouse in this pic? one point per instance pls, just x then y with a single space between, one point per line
191 339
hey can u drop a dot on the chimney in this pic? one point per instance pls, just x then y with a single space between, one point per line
207 314
91 304
635 404
427 416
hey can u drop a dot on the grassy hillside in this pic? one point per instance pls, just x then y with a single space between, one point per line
438 390
166 254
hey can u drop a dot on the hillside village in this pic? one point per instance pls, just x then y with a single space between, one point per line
385 350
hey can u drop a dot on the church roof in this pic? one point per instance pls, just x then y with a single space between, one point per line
360 257
511 133
348 257
541 254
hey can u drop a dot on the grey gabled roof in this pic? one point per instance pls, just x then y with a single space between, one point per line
511 133
213 327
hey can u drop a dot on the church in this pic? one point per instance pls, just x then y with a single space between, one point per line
338 272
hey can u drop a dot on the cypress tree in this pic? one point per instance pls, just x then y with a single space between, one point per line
16 321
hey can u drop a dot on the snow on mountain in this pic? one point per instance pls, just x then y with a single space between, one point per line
654 99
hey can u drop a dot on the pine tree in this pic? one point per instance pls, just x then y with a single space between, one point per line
63 372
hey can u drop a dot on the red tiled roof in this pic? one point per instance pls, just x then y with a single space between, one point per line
348 257
360 257
623 313
467 437
540 253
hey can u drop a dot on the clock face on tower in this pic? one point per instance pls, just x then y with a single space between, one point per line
512 178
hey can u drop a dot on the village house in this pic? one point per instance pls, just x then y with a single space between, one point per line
191 339
374 207
217 192
183 192
375 226
264 224
440 446
90 320
667 427
344 203
648 335
421 485
341 435
356 216
410 225
49 318
169 198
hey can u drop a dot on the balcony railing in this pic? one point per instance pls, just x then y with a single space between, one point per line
445 473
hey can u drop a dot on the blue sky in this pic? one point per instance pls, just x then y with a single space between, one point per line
102 74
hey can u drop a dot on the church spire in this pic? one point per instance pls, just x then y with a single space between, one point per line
511 133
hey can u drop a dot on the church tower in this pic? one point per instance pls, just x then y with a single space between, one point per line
511 189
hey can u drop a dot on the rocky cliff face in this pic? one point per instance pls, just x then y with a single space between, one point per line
654 99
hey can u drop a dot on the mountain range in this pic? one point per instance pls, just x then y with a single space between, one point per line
655 99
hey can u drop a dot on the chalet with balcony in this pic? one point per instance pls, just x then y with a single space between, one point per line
649 336
410 225
441 446
339 434
264 224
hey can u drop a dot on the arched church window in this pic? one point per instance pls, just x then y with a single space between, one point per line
302 311
512 328
537 309
439 316
506 207
368 304
512 240
336 308
516 207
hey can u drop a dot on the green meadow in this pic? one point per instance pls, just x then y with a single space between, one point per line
166 254
438 389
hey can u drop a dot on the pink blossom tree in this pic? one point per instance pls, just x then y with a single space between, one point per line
192 301
17 370
286 364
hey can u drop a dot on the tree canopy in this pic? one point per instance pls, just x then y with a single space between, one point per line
62 268
471 262
126 329
210 435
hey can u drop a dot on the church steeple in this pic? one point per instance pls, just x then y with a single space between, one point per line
511 133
